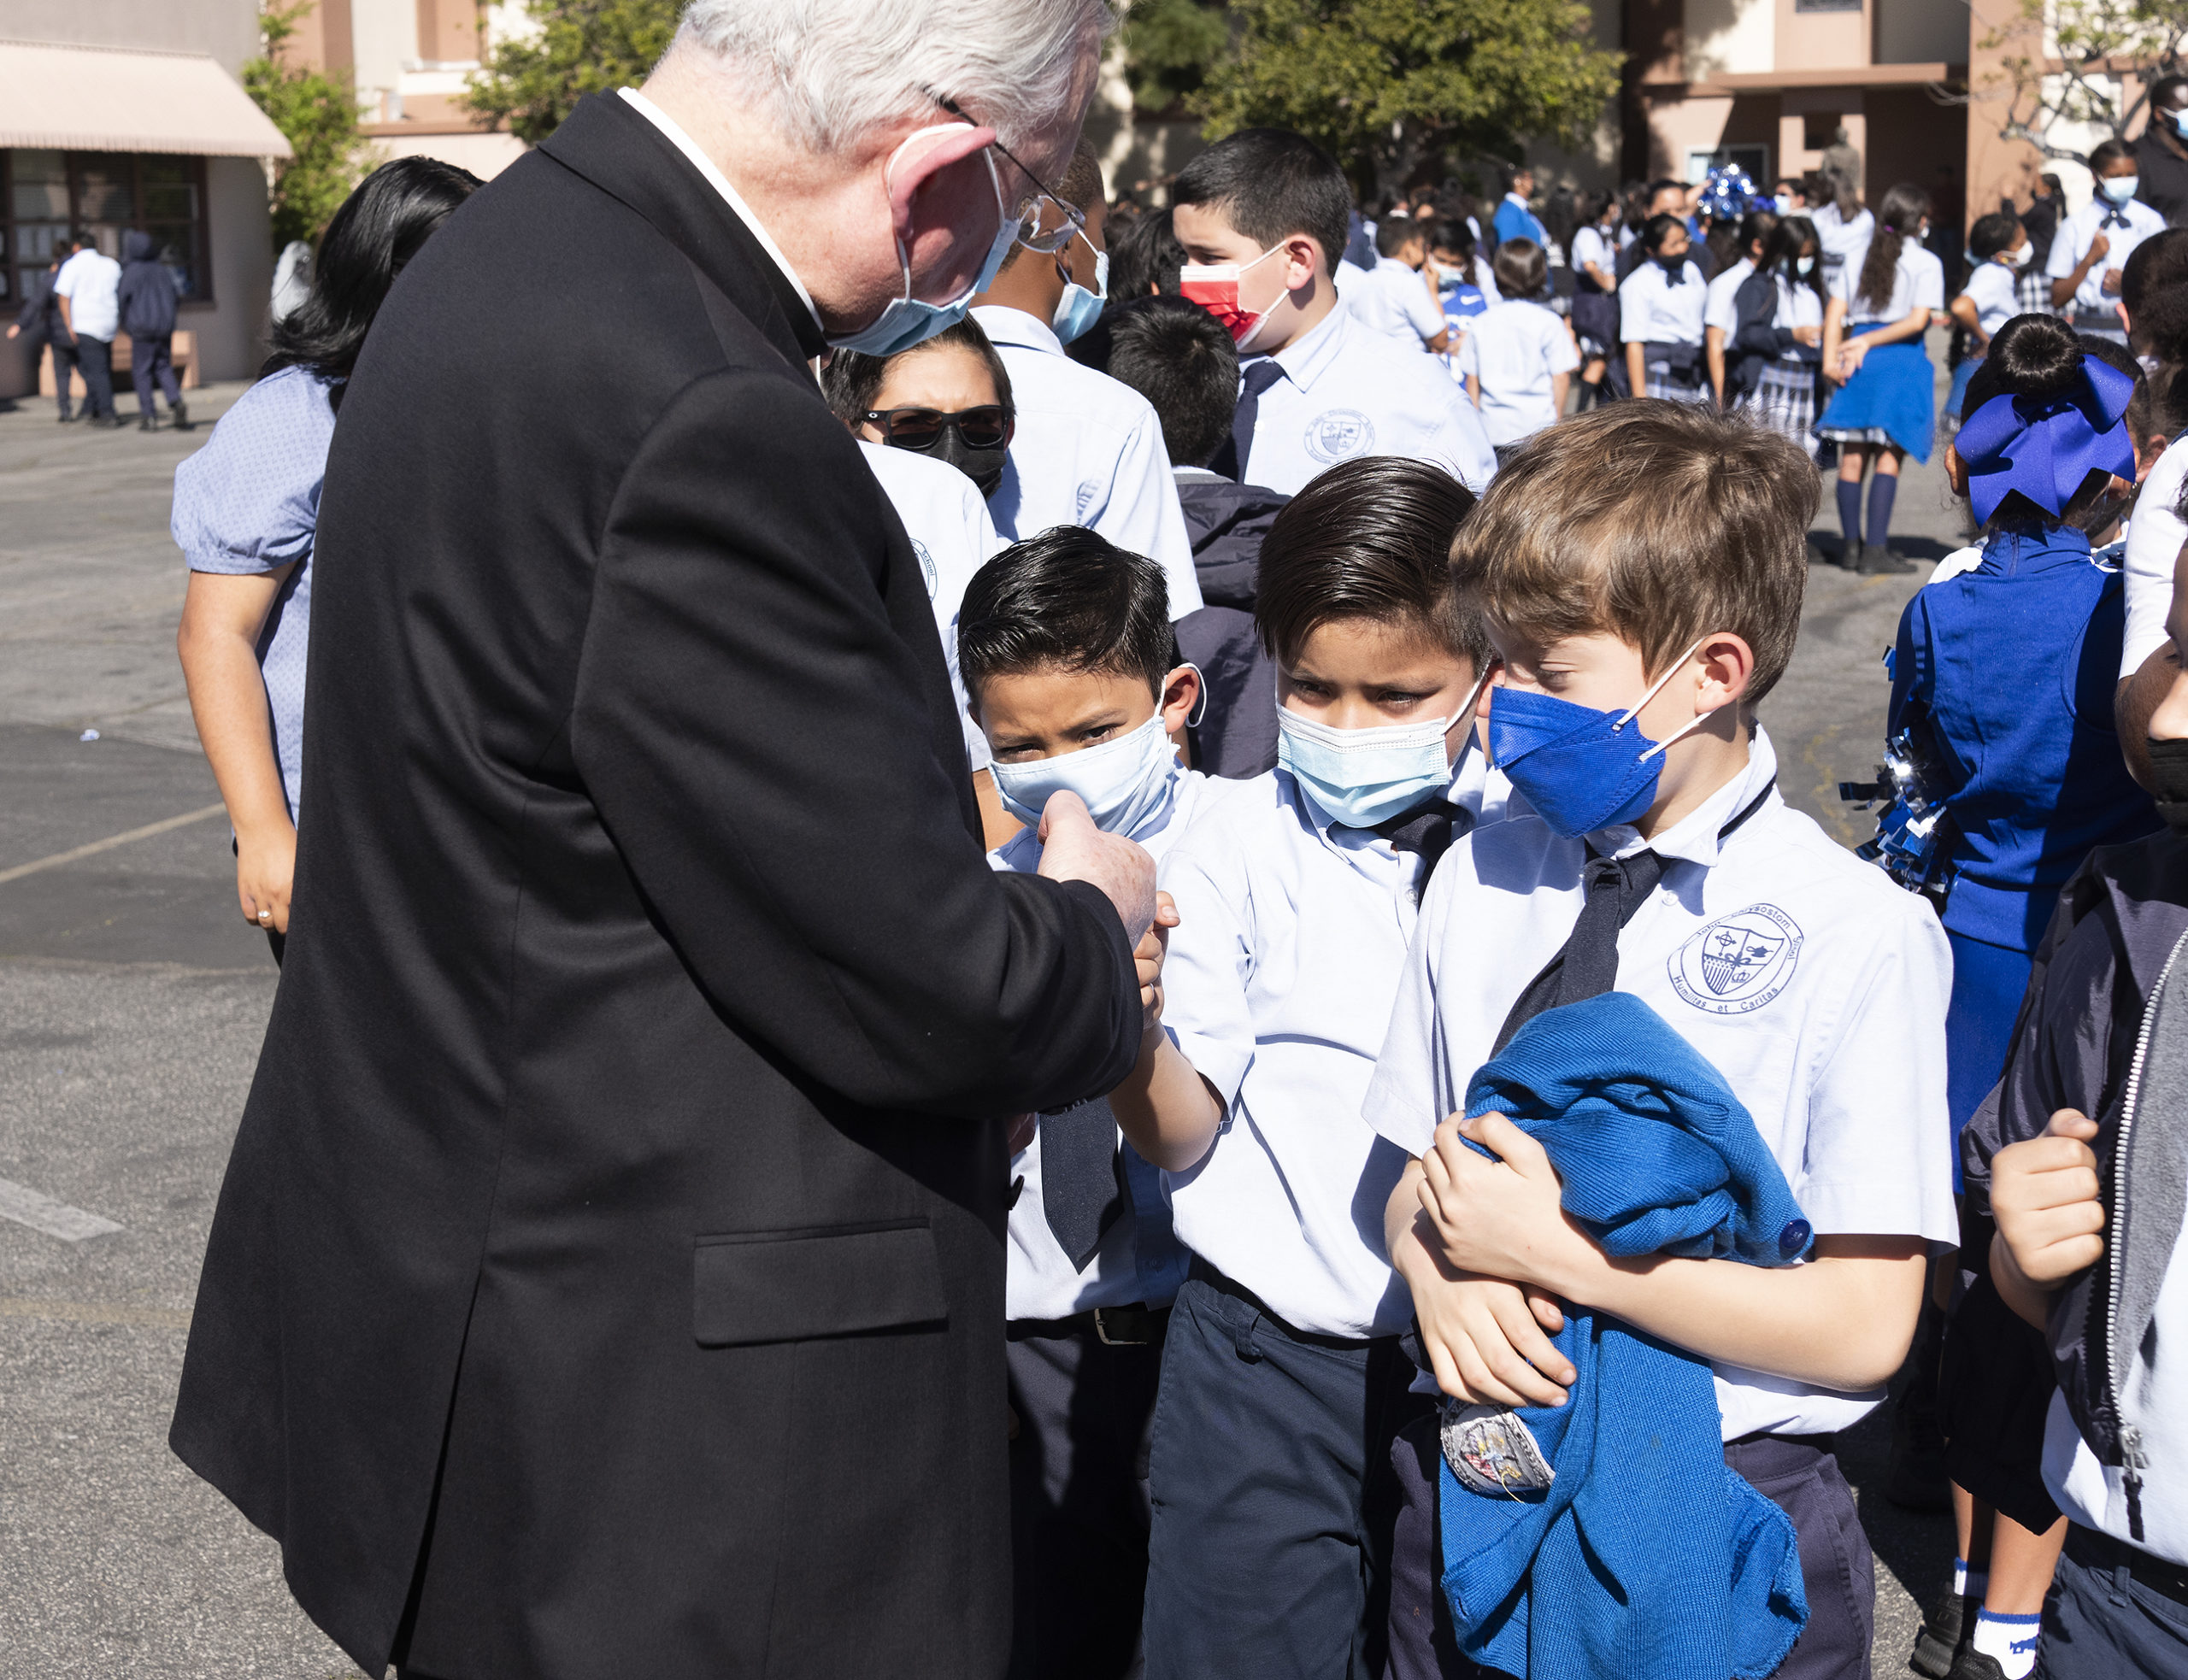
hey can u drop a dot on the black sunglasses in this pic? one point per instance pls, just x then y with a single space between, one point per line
985 427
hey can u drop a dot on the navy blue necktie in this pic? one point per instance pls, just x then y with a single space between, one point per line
1254 378
1428 830
1082 1176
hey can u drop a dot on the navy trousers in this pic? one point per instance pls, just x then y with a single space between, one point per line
95 356
1272 1496
1082 1410
151 356
1837 1569
64 376
2101 1624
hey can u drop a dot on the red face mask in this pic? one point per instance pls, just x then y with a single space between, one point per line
1214 287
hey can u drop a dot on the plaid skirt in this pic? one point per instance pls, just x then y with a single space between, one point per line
2032 290
1783 401
1663 383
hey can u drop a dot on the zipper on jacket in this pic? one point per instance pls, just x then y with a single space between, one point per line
2130 1438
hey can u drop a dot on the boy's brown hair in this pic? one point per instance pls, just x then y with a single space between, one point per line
1658 522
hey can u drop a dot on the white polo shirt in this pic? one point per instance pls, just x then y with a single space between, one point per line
92 285
1514 350
1918 282
1651 310
2155 536
1592 244
2129 225
1844 245
1718 308
1997 294
1827 1018
1088 451
1139 1259
947 522
1393 300
1349 391
1278 989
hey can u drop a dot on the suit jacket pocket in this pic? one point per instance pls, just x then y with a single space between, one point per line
825 1280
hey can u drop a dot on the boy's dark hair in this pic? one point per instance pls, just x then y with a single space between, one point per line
2112 151
2036 356
1370 539
1453 235
2159 263
1394 233
1757 225
1659 522
1181 359
1994 233
1066 599
853 379
1270 183
1521 267
1144 258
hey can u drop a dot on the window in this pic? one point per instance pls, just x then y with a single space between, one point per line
1754 159
101 195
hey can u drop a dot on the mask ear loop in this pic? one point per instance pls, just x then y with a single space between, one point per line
1686 728
1655 689
1466 712
1201 710
995 181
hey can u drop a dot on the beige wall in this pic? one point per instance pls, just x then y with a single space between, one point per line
227 29
232 330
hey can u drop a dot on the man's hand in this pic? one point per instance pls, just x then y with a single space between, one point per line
1073 849
2044 1198
1147 958
1497 1217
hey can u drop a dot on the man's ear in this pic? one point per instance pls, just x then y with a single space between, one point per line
937 163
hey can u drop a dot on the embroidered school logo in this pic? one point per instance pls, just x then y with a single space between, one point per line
1738 962
1339 435
926 568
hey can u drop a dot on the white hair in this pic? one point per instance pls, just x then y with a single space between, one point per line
834 70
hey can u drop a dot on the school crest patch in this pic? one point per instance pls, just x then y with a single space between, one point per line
1738 962
926 568
1339 435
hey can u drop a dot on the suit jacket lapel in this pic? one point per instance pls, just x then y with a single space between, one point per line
626 157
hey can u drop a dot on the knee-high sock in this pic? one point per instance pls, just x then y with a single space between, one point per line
1850 512
1883 489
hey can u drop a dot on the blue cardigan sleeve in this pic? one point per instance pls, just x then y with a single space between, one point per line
1913 670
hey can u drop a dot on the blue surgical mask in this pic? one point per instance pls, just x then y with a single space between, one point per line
909 321
2118 189
1358 777
1125 782
1080 308
1581 769
2180 119
1807 265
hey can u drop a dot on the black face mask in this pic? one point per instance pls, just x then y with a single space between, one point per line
2169 782
1674 265
983 466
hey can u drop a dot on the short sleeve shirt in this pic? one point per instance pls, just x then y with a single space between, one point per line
1918 282
1589 245
1514 349
2124 226
1394 301
2155 536
1719 309
1652 310
1845 242
92 285
248 504
1813 985
1993 288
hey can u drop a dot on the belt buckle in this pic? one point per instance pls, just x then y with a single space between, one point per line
1104 1317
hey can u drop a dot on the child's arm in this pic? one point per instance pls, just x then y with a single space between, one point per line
1165 1107
1473 388
2044 1198
1834 329
1559 384
1712 349
1964 311
1844 1321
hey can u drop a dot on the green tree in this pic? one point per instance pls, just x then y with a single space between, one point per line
580 47
1168 47
1389 85
2061 63
317 113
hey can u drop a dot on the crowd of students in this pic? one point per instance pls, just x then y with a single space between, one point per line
1547 1140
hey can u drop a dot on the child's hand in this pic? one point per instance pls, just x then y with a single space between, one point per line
1147 958
1500 1217
1484 1340
1810 335
2044 1198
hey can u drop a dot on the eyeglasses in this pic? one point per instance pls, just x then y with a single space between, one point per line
1031 234
986 427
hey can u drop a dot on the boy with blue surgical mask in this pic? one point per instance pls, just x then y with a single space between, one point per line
1282 1378
1065 646
1640 570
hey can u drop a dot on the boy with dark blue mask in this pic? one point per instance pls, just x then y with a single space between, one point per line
1640 570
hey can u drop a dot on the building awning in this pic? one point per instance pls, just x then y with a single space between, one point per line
107 99
1854 77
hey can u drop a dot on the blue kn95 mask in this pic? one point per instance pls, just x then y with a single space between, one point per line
1125 782
1581 769
1358 777
909 321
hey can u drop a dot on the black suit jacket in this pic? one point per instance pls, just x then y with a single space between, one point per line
610 1264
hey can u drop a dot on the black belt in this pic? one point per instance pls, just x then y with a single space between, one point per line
2093 1549
1202 1271
1820 1443
1136 1326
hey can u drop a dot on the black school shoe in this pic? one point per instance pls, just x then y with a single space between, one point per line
1879 562
1973 1664
1937 1646
179 414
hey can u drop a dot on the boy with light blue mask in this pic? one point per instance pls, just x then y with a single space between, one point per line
1282 1379
1071 672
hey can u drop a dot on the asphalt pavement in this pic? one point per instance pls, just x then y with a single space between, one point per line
133 999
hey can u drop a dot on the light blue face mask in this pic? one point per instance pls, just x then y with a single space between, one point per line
1358 777
2180 119
1125 782
909 321
1080 308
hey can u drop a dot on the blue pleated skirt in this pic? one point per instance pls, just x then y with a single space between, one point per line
1893 398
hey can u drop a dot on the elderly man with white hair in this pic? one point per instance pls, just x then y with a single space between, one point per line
608 1279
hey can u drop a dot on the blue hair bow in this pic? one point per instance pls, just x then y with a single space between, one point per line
2044 447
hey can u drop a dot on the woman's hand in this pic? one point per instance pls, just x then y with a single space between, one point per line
1499 1217
265 862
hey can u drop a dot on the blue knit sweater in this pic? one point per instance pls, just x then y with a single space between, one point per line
1646 1558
